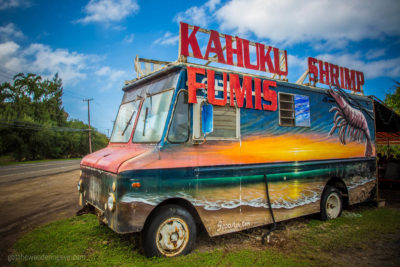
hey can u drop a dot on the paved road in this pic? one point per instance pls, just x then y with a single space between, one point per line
20 172
31 196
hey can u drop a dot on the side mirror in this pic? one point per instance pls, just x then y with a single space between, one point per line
207 123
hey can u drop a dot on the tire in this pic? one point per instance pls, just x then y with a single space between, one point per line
170 232
331 203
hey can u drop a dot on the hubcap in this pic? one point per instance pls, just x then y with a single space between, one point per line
333 206
172 236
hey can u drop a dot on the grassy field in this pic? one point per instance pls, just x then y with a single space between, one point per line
302 242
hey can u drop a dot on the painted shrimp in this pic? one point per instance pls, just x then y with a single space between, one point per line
350 122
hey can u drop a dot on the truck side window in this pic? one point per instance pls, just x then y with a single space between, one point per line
286 109
294 110
226 122
179 129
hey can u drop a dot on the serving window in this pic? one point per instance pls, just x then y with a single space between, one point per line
226 122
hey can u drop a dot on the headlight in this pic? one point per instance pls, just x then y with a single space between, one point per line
114 186
111 202
79 185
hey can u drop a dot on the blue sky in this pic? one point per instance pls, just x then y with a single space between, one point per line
92 44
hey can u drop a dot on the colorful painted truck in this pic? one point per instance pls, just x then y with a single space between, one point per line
194 146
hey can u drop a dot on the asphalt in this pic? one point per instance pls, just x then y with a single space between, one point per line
33 194
21 172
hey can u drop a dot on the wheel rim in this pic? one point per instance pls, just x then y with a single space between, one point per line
172 236
333 206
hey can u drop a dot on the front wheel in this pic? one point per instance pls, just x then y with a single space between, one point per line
171 232
331 203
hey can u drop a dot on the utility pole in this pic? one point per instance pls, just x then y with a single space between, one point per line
90 130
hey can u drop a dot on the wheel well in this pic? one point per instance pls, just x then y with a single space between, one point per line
341 186
180 202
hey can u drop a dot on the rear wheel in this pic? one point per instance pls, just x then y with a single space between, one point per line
331 203
171 232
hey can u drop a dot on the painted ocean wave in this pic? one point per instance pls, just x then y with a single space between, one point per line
304 199
358 181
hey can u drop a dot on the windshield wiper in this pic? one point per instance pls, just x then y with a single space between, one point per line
128 122
144 121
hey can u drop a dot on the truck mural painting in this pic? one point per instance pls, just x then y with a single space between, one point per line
351 122
164 175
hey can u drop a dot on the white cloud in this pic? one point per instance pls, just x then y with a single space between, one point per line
10 32
296 21
5 4
112 77
324 45
109 10
212 4
198 15
167 39
42 59
375 53
297 62
194 15
7 49
69 65
129 38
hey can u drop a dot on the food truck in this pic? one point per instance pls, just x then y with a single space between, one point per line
200 146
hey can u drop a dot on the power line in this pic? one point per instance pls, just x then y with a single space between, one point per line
33 126
74 93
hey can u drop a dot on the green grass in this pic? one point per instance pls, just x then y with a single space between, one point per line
5 161
312 244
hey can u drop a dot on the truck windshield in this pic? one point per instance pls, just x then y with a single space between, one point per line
124 123
153 115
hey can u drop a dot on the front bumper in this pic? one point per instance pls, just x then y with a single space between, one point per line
95 189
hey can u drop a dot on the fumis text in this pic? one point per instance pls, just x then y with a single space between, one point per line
264 97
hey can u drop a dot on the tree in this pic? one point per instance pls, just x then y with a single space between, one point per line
33 124
393 100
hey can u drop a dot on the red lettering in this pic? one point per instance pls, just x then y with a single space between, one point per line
269 95
265 58
191 40
257 89
189 46
247 63
211 89
277 60
334 73
330 74
349 79
342 78
323 74
192 84
360 80
230 51
217 49
248 87
238 92
312 69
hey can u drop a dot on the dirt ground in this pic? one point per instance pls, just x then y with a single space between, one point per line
31 203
